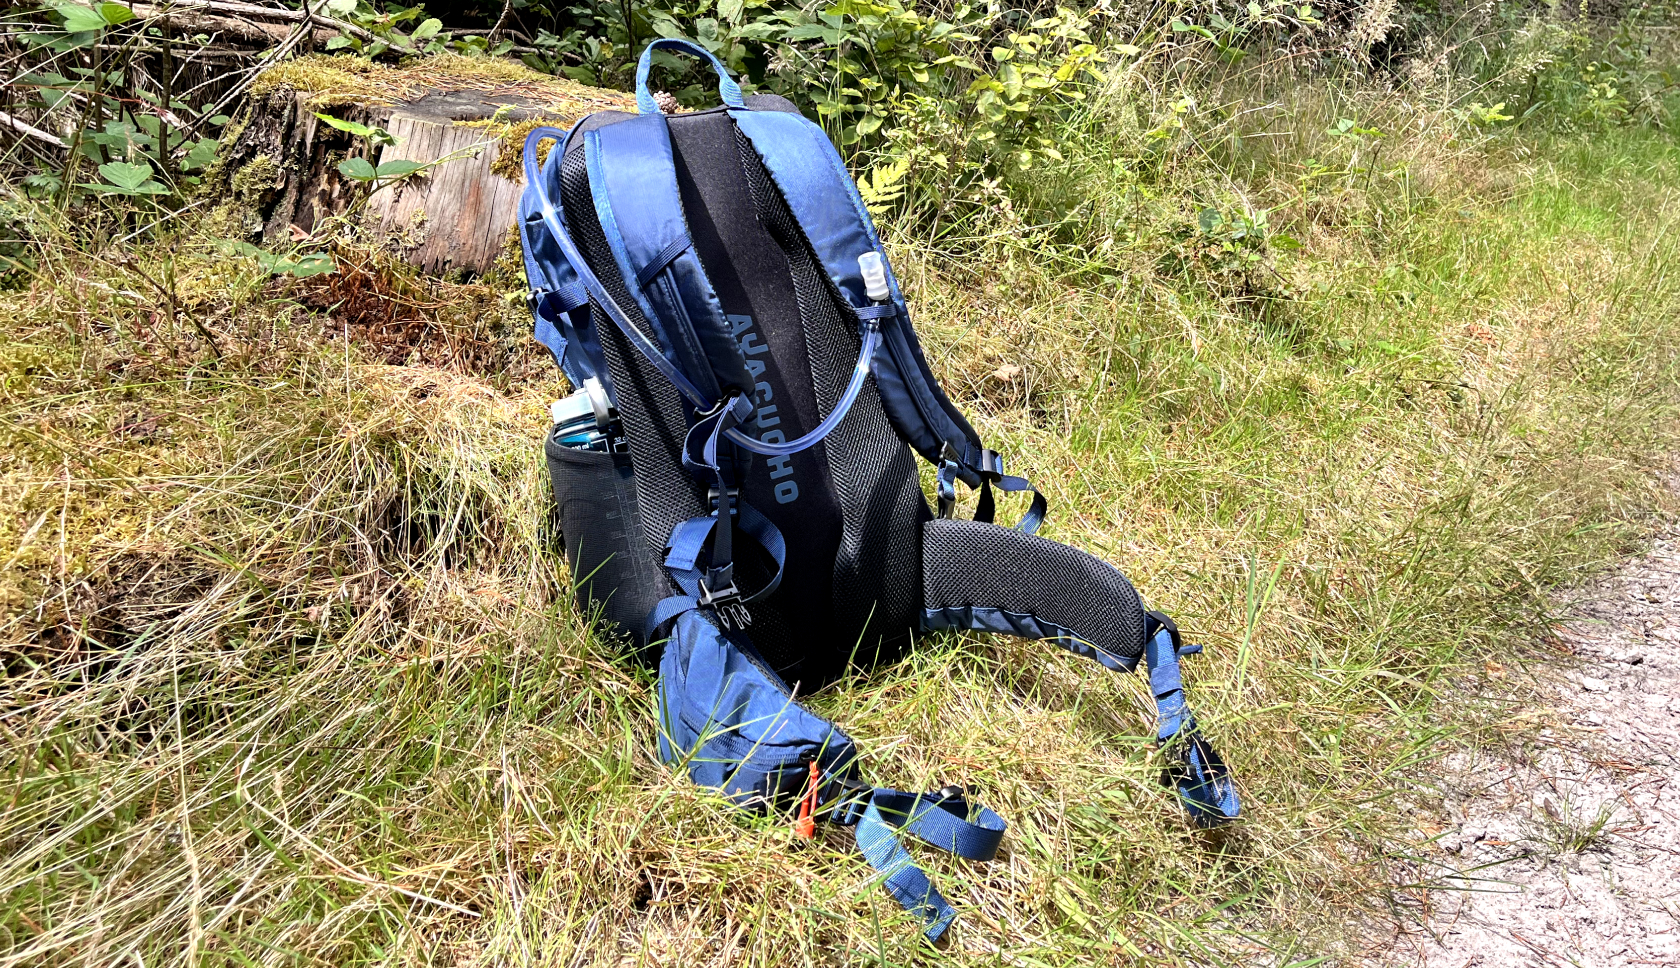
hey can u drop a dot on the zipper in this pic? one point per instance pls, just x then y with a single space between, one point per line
690 339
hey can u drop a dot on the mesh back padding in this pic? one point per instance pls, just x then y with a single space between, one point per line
972 563
877 564
872 595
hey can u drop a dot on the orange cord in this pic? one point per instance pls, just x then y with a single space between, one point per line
805 826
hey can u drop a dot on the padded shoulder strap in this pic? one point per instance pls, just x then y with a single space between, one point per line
980 576
810 175
559 304
633 178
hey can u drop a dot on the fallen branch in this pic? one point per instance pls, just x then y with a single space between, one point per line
31 130
235 10
189 16
251 11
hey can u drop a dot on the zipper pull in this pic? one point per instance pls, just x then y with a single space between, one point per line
805 825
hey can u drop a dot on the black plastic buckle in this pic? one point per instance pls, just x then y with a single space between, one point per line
945 482
712 495
726 603
991 465
1163 622
850 802
953 792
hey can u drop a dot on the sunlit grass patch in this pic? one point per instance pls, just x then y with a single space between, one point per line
294 675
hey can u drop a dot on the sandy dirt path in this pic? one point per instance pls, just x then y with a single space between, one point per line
1570 848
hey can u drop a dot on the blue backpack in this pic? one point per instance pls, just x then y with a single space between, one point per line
736 488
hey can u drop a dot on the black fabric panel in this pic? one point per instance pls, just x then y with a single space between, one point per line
978 564
877 567
771 102
749 272
854 558
613 570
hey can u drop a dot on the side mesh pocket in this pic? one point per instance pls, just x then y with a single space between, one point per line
614 574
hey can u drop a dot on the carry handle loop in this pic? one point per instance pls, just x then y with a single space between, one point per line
728 91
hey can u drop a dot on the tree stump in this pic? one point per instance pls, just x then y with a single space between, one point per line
454 217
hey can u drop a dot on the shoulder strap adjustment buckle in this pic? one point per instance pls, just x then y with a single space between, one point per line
851 801
734 496
726 604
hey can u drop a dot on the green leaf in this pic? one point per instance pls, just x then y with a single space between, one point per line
338 43
868 124
359 169
1130 50
359 130
730 10
312 264
125 175
427 29
341 8
399 168
114 13
202 153
78 18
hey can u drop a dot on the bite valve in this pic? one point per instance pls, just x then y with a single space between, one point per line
873 268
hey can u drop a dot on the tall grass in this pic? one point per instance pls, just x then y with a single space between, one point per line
294 677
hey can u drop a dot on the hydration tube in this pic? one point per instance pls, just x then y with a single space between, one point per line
869 263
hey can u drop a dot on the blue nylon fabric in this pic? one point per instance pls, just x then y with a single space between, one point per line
555 220
702 459
945 489
1203 782
559 322
1011 484
906 882
633 178
1167 684
931 819
810 175
729 92
673 249
689 537
1201 778
731 722
984 619
667 609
